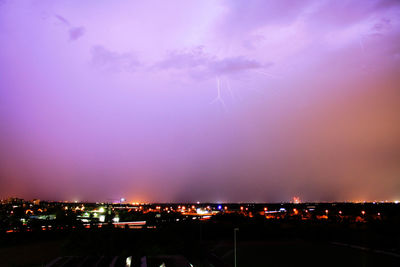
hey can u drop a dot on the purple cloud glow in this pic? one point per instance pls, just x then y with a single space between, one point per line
203 65
113 61
120 99
76 32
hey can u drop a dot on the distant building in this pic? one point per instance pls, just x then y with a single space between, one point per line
296 200
14 200
35 201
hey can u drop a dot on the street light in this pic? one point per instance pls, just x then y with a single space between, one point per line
234 241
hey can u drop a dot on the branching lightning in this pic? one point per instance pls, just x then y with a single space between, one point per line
224 84
267 74
361 42
228 87
362 46
219 98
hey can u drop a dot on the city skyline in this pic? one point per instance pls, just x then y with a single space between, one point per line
209 101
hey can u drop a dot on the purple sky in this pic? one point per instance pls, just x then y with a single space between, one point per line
200 100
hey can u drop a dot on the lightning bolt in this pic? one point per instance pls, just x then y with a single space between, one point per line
234 94
228 87
361 42
268 74
219 98
362 46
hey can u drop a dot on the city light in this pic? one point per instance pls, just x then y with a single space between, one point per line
128 261
296 200
201 211
95 213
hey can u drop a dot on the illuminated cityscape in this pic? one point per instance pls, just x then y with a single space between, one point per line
20 217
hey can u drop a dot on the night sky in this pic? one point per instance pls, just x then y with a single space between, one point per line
200 100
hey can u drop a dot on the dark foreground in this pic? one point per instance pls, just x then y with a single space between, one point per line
210 243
